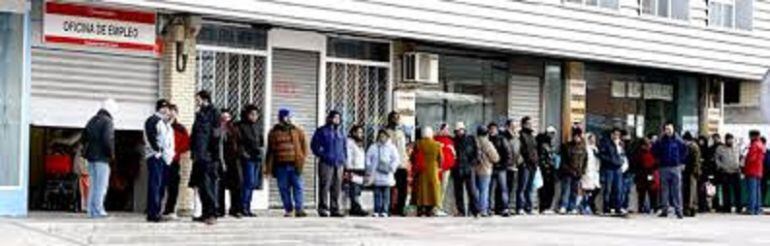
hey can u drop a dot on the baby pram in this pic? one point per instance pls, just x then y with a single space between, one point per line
61 187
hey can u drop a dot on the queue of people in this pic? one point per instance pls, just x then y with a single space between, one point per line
499 170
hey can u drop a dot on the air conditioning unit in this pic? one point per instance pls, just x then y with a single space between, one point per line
420 67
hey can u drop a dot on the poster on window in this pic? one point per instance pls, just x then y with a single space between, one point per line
634 90
618 88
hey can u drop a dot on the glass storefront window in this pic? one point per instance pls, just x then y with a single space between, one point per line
233 36
11 81
472 90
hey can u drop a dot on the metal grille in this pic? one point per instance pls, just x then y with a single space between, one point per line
234 80
359 93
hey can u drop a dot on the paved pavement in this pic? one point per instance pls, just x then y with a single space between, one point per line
130 229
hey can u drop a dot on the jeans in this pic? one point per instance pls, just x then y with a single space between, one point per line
731 184
625 196
588 202
671 189
524 189
290 186
99 175
381 199
249 183
207 189
464 181
612 185
754 206
171 179
156 170
354 194
500 184
330 182
482 186
569 192
510 181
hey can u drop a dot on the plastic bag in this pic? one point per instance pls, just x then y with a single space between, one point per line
537 181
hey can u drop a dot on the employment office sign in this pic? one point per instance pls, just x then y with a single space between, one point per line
99 27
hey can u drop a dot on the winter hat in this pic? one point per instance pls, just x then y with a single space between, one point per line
283 113
550 129
482 130
110 106
459 125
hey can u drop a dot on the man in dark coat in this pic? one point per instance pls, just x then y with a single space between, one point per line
671 153
462 173
547 165
250 150
692 170
528 167
230 175
99 149
612 155
205 152
499 174
574 157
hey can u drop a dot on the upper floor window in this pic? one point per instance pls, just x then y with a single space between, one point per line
608 4
672 9
731 13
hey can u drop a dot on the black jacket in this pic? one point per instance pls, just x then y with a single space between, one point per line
467 154
503 148
609 155
99 138
250 141
204 144
528 149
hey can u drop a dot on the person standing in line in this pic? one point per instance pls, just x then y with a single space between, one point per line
628 171
250 152
382 160
499 169
692 171
548 168
205 155
528 167
590 182
172 175
286 153
448 152
463 178
671 153
230 172
355 169
398 138
611 155
715 177
766 173
159 151
427 157
99 149
329 145
575 157
728 168
647 177
707 171
511 133
753 171
488 156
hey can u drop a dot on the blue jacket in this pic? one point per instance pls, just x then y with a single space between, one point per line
610 157
329 145
670 151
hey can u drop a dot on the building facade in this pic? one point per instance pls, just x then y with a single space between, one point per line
605 63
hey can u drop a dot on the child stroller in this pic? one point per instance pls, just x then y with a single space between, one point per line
61 187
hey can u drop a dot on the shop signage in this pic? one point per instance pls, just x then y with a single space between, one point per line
658 92
99 27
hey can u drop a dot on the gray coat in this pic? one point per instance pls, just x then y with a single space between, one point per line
727 159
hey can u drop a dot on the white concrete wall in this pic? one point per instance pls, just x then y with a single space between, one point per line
547 27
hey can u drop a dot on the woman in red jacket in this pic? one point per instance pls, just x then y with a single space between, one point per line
448 152
753 171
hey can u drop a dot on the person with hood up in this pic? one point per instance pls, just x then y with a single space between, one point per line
99 149
382 160
286 153
355 169
330 146
159 151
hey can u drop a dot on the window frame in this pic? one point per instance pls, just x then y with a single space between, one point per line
669 7
733 24
598 6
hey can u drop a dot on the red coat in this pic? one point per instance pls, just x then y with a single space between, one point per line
447 151
754 160
181 140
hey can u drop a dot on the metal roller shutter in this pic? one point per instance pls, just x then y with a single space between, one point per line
68 86
295 87
524 95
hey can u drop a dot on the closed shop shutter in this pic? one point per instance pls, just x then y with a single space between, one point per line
68 86
295 87
524 93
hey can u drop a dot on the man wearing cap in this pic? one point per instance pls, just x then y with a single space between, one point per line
286 153
330 146
99 150
159 151
463 178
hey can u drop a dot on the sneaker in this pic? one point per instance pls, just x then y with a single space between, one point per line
323 213
663 215
441 213
300 214
679 216
171 216
384 215
562 210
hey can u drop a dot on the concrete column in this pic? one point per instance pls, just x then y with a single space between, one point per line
179 87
